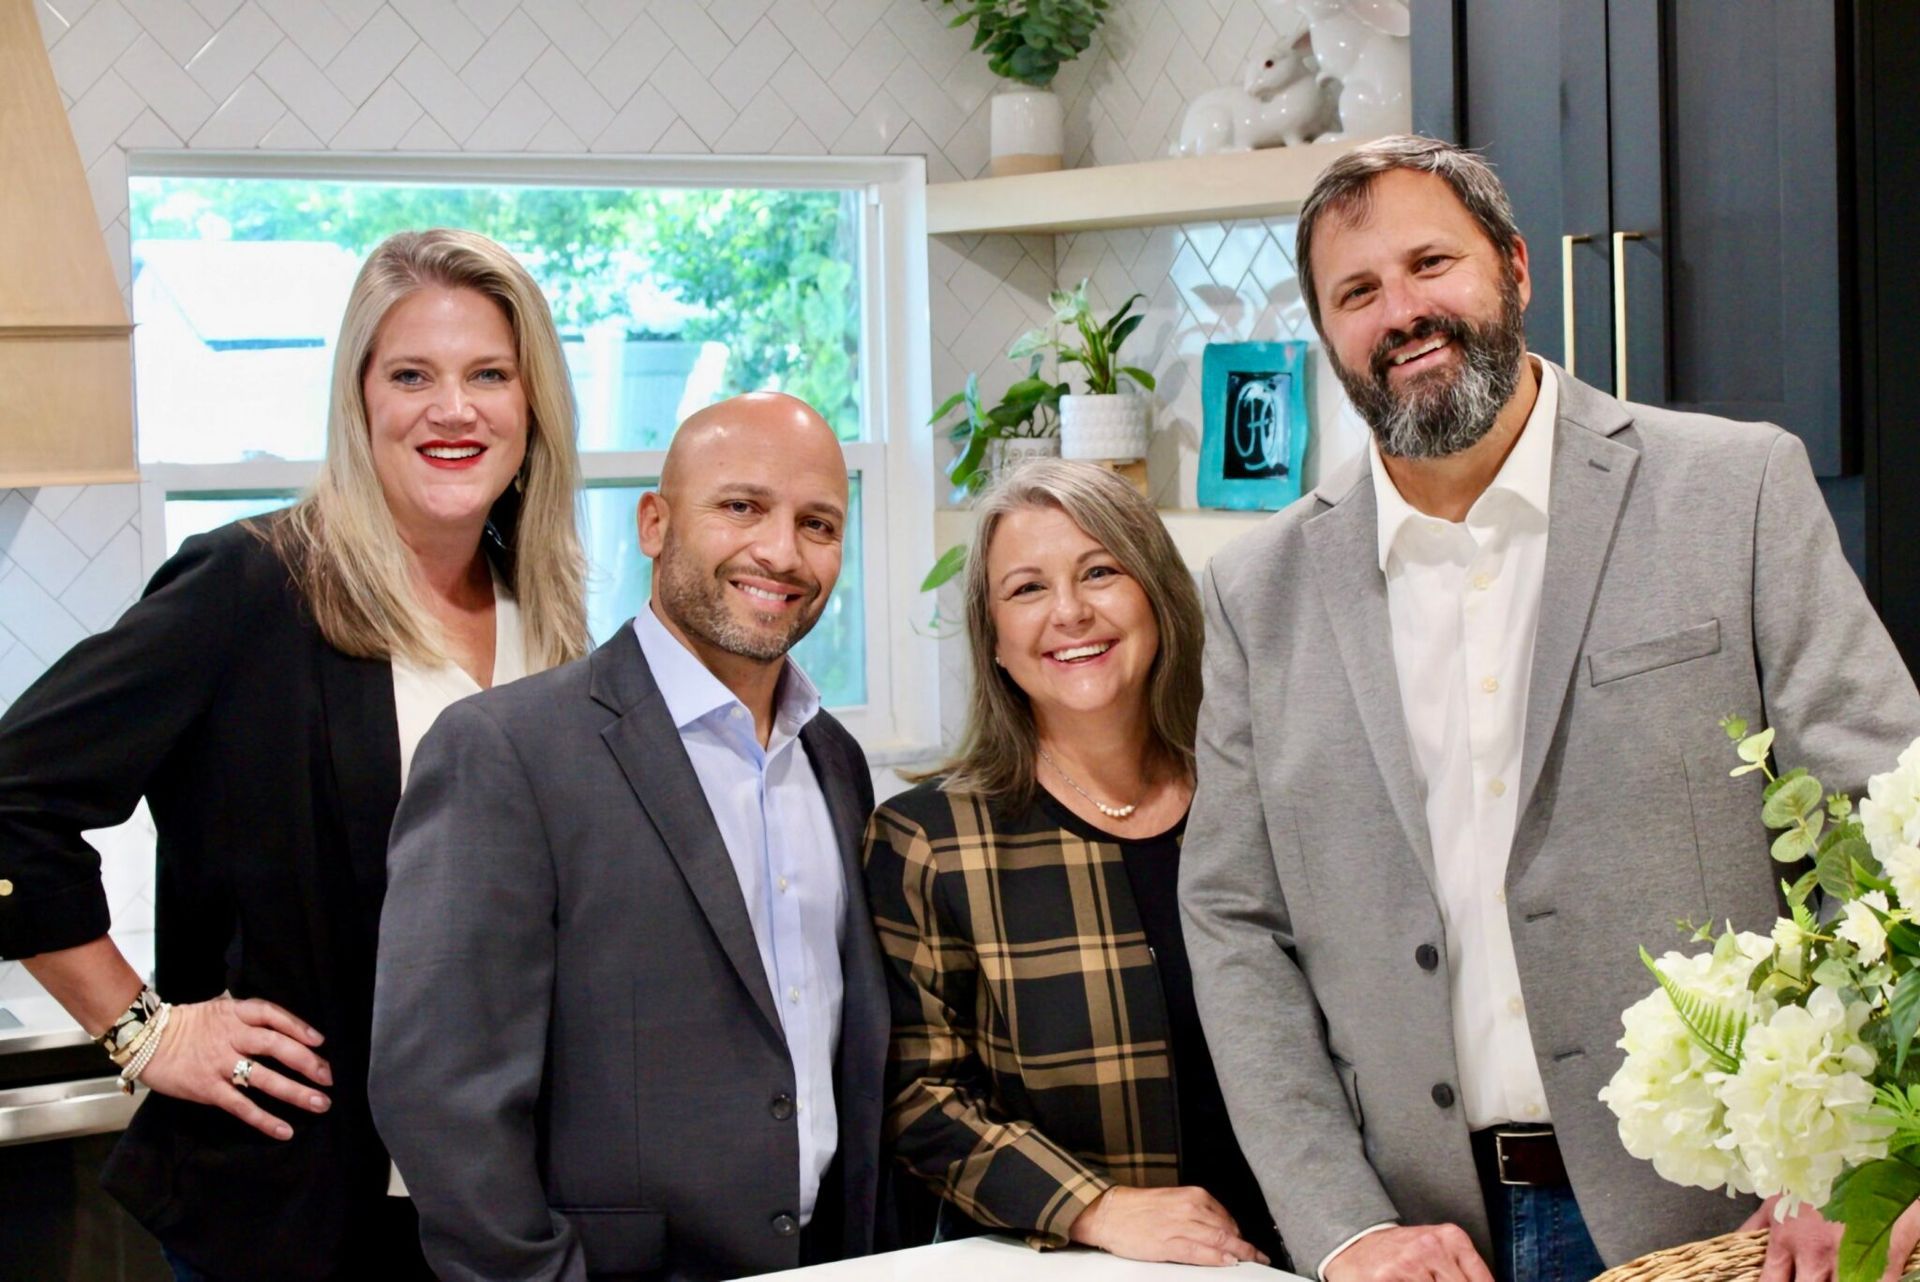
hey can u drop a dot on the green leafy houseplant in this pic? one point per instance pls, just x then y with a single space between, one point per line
1029 409
1028 40
1097 350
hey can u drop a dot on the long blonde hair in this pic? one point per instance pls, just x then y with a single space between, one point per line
340 540
996 753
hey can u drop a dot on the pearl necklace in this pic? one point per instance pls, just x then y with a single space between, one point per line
1111 812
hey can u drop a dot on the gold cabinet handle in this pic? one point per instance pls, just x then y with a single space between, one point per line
1620 239
1566 296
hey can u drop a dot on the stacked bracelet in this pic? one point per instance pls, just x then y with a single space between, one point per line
123 1037
143 1053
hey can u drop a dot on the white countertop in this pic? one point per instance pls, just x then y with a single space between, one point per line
984 1259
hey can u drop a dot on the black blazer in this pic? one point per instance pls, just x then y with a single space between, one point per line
271 764
577 1057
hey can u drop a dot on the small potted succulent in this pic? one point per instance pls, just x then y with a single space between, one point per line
1027 41
1106 421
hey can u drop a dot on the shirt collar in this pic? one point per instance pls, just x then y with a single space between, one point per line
691 691
1526 474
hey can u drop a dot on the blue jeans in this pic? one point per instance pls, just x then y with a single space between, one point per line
1539 1235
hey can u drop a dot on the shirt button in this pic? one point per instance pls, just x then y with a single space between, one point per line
1481 583
1531 1110
1498 787
1500 896
6 888
793 994
783 885
1514 1005
1489 684
736 712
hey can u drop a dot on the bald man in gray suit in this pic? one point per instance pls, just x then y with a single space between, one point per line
629 1019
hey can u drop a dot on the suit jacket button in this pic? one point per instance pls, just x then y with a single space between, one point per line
1427 955
1443 1095
781 1107
785 1225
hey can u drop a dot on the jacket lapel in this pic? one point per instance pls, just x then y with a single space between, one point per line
1343 550
646 744
1592 474
830 767
363 744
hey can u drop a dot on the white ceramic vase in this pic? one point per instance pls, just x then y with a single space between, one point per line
1108 427
1027 132
1010 452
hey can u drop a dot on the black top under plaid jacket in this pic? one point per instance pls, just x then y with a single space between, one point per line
1030 1066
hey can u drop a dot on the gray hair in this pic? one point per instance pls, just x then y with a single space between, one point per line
996 753
1345 188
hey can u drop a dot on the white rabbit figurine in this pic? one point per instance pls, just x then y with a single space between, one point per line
1279 102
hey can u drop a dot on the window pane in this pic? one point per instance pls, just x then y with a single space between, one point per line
620 578
666 300
187 517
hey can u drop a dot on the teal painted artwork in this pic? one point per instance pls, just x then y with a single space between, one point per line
1253 442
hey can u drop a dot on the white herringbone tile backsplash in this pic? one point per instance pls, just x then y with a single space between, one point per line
811 77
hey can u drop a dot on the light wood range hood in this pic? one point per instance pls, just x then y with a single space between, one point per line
66 369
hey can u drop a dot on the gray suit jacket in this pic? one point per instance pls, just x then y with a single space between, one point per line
577 1061
1692 571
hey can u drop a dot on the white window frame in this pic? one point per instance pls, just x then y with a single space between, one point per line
901 719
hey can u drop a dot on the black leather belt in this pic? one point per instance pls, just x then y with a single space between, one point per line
1527 1156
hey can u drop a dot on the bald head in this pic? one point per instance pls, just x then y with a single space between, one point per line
768 424
747 527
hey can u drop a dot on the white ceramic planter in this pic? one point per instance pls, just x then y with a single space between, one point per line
1104 427
1010 452
1027 133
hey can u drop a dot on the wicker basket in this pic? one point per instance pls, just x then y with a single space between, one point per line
1731 1257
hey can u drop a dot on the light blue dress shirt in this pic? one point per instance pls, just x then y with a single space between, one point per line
774 820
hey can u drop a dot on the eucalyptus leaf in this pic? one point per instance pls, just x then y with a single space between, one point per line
1754 748
1794 845
1791 800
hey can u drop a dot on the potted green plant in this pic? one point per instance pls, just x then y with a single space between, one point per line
1106 421
1023 425
1027 41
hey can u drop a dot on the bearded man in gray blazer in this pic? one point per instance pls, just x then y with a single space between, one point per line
1460 756
629 1020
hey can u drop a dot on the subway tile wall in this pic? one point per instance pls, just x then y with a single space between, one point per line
814 77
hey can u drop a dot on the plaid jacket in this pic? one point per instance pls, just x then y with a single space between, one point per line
1030 1067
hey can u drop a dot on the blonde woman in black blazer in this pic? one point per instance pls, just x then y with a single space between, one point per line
250 697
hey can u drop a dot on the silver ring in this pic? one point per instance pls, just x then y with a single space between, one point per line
242 1071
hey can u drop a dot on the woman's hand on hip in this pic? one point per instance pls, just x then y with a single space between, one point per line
1178 1225
203 1042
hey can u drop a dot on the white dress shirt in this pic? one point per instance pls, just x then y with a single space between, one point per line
1463 603
421 693
1463 600
773 818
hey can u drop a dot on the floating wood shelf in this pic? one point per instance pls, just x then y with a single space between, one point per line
1197 532
1181 189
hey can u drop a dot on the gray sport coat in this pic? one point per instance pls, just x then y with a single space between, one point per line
1692 571
577 1060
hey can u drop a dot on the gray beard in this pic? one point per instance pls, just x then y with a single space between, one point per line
1442 413
697 602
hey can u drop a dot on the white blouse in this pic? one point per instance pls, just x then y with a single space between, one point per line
421 693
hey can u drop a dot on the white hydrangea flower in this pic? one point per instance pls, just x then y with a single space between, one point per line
1791 941
1664 1092
1862 929
1891 811
1796 1112
1902 865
